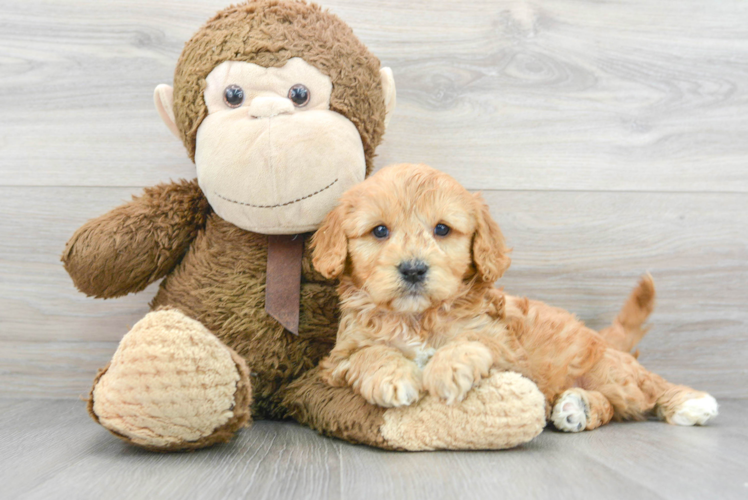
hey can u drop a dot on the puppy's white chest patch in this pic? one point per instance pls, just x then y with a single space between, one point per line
423 354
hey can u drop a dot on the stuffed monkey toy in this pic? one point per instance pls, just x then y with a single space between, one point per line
281 108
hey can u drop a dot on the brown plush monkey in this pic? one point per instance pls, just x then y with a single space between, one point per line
281 108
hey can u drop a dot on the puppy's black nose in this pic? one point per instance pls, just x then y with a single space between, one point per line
413 271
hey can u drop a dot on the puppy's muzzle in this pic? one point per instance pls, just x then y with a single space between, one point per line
413 271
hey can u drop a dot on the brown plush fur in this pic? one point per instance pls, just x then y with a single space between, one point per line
217 277
138 243
335 411
221 283
269 33
389 325
215 272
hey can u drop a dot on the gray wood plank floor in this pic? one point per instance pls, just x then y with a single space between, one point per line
49 449
609 138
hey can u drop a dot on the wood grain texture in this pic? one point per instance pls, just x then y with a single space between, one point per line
37 297
582 251
54 451
48 449
627 460
504 94
610 137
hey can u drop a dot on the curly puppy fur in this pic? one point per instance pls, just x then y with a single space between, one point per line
401 336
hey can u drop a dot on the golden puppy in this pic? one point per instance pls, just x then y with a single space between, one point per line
417 256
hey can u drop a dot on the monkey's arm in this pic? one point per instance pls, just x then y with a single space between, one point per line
130 247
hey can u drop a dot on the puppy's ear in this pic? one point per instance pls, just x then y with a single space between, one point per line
490 254
330 246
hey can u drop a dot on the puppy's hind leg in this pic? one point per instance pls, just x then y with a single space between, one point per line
681 405
635 392
576 410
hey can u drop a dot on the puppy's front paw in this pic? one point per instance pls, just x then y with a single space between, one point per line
392 386
454 370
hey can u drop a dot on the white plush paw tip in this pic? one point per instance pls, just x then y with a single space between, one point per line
696 411
570 414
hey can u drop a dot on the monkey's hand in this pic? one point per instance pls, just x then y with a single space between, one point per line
130 247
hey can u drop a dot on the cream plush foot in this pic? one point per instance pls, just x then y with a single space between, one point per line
172 385
503 410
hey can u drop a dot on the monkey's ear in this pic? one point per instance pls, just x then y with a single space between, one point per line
163 98
490 254
390 93
330 245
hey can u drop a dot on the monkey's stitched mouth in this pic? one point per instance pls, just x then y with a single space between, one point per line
278 204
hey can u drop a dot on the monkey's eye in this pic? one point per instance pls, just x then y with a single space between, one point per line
299 95
233 96
380 232
442 230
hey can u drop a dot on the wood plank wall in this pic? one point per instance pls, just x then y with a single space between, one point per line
610 139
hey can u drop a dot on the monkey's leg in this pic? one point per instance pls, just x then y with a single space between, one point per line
634 392
577 410
502 411
172 385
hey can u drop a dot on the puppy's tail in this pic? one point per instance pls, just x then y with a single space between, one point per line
627 329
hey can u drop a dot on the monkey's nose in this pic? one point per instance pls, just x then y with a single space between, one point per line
413 271
267 107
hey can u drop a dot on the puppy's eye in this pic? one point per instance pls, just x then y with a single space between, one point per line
233 96
380 232
299 95
442 230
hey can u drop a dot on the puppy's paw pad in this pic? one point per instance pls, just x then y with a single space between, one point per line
570 413
697 411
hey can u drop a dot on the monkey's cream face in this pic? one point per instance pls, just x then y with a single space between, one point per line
271 156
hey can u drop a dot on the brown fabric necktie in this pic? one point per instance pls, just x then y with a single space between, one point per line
283 279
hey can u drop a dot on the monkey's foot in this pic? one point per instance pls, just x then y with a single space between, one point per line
502 411
172 385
